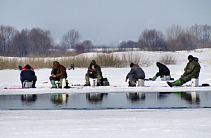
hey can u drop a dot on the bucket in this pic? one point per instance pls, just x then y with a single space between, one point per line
140 82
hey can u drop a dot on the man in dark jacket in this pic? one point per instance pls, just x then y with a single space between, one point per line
58 73
28 74
163 70
94 71
135 73
192 70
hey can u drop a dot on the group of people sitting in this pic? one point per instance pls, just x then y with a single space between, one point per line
58 72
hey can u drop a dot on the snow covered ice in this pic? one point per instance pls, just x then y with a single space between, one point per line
194 122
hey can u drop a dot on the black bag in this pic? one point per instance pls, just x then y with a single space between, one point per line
104 82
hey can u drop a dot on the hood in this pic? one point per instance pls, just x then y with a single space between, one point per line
93 62
158 64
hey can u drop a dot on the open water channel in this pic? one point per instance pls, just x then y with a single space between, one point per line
96 101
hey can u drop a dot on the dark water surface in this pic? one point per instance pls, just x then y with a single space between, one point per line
92 101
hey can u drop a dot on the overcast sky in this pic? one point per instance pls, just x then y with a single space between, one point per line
104 20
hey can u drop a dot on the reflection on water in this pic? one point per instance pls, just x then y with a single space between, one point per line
59 99
28 99
163 95
135 97
191 97
89 101
95 98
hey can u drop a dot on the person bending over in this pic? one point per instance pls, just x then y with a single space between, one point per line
163 70
135 73
28 74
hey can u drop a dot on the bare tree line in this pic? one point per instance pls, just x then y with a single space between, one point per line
39 42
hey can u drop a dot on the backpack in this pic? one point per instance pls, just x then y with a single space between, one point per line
104 82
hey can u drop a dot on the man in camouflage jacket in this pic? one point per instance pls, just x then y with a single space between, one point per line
58 73
192 70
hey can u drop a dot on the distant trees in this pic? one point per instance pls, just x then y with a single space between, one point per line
152 40
7 34
88 45
202 34
20 43
79 48
36 41
197 36
40 41
128 44
71 38
2 44
14 43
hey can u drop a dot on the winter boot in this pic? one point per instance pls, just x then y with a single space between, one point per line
132 84
53 84
60 84
154 78
87 84
34 82
175 83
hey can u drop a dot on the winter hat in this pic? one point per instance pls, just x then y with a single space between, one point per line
93 62
131 64
27 66
190 57
55 63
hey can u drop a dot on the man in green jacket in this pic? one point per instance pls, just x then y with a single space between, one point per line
192 70
94 71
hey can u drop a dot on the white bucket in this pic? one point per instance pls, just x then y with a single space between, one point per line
93 81
165 78
194 82
140 83
27 84
63 82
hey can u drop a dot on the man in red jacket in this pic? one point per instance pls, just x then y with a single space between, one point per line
28 74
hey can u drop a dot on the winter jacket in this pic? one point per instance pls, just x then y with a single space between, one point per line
96 70
192 70
137 71
163 69
27 73
59 71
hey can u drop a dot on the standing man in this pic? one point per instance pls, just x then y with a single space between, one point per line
135 73
28 74
94 71
163 70
192 70
57 74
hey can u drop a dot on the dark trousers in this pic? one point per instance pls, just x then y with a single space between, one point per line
34 81
57 78
161 74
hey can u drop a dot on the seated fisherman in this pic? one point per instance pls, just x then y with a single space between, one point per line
28 74
192 70
94 71
135 73
57 74
163 70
